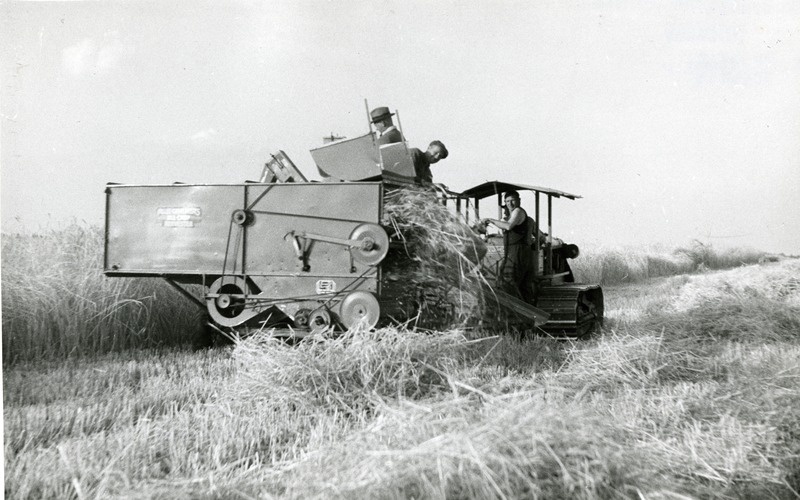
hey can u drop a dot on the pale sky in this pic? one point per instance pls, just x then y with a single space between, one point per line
674 120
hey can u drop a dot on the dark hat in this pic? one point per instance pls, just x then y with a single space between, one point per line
379 114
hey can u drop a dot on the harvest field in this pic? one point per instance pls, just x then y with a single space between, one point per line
692 390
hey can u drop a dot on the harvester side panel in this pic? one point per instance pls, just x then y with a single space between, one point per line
174 229
185 230
317 209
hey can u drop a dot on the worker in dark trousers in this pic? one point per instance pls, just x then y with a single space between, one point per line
516 271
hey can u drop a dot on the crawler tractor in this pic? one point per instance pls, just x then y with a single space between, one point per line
306 256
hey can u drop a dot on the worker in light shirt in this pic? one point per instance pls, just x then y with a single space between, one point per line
515 274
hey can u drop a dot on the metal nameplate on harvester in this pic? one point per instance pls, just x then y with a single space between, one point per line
179 216
326 286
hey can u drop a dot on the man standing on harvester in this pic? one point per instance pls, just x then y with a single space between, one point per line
423 161
516 270
386 132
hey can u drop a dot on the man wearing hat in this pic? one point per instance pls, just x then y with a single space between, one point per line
387 133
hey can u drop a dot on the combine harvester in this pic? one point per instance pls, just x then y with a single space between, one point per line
309 256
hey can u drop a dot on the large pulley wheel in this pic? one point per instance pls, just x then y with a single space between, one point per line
225 301
359 308
374 244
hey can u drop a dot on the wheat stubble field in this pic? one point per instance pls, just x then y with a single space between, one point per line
691 391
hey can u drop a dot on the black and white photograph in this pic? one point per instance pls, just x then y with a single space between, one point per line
430 249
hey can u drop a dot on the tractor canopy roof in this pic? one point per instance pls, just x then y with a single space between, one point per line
492 188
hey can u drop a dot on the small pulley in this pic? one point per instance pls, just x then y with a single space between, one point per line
301 318
319 320
359 308
372 244
242 217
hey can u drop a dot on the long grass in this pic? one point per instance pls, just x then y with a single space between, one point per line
671 402
692 391
57 303
650 410
614 265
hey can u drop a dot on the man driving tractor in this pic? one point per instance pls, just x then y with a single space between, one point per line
515 275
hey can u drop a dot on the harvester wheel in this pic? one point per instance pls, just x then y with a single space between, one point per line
301 318
225 301
359 307
319 320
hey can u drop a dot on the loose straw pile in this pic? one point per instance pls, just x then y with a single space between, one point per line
436 260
